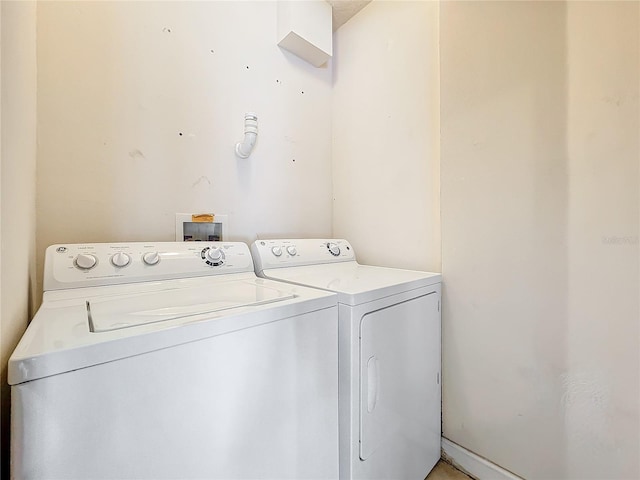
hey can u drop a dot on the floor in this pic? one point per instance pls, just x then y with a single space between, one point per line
444 471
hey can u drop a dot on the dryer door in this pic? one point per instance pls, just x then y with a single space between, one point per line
399 374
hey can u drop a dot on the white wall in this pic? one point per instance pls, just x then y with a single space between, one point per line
539 160
118 82
17 189
386 134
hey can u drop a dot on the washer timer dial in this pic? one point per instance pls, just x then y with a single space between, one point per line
213 256
333 248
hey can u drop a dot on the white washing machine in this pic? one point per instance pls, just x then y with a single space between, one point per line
389 354
174 361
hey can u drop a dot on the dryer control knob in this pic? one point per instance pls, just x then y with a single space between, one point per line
291 250
151 258
85 261
333 248
214 255
120 259
277 251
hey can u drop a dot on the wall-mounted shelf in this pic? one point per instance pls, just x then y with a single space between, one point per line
305 29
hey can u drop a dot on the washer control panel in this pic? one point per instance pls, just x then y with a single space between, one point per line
297 252
95 264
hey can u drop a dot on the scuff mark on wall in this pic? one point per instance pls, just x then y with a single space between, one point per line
584 390
136 154
614 100
587 395
203 178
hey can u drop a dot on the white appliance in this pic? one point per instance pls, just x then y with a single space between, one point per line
173 360
389 354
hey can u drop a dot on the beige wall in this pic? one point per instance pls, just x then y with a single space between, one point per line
539 160
385 134
601 394
119 82
17 188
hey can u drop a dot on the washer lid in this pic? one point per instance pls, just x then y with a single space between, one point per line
123 311
134 319
355 283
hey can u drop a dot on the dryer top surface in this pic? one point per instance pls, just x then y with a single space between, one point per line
355 283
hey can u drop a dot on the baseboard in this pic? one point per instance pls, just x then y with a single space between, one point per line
473 465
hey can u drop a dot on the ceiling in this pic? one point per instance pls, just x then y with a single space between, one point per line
343 10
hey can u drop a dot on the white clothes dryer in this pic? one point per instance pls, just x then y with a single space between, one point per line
389 354
174 361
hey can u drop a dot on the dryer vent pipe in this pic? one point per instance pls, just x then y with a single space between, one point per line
244 148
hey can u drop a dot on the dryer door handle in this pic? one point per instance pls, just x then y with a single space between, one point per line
373 381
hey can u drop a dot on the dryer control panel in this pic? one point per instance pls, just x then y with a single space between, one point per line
96 264
297 252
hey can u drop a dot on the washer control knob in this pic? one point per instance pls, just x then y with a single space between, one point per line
333 248
120 259
151 258
85 261
291 250
277 251
213 256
